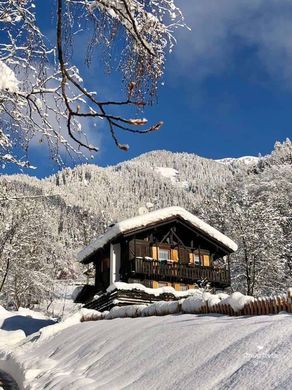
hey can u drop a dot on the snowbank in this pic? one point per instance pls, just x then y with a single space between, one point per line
155 309
126 311
11 337
81 316
171 352
15 326
237 301
162 308
194 303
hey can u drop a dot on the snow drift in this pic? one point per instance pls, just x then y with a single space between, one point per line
171 352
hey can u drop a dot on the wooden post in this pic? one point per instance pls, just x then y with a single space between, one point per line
289 300
229 277
259 303
200 255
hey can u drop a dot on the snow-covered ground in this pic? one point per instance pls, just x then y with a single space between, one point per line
183 351
62 305
16 325
173 175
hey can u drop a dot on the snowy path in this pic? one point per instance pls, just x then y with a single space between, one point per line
7 382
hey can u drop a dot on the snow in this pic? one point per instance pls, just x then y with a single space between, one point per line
154 291
11 337
191 301
161 308
74 319
176 351
62 304
8 80
173 175
150 218
170 173
247 160
16 325
131 311
238 300
194 303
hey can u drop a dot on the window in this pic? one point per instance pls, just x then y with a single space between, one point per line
197 260
164 254
194 258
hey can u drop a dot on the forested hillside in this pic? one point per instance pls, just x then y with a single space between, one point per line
249 199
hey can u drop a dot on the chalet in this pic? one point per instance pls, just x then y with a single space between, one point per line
167 247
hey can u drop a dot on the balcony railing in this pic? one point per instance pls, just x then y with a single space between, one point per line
175 271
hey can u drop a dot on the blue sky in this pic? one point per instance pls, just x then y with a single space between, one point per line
227 88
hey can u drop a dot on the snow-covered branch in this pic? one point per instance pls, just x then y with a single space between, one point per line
41 90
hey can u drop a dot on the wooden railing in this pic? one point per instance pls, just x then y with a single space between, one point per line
175 271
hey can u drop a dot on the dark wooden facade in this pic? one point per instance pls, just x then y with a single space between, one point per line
169 253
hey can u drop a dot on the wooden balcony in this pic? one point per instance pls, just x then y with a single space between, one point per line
175 271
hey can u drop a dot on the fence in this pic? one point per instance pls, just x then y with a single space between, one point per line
133 308
260 306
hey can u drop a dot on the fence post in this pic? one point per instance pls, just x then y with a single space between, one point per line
289 299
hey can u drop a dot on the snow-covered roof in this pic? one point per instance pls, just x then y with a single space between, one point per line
152 218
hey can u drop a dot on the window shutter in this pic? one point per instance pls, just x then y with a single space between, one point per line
155 284
206 260
174 255
155 252
191 258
